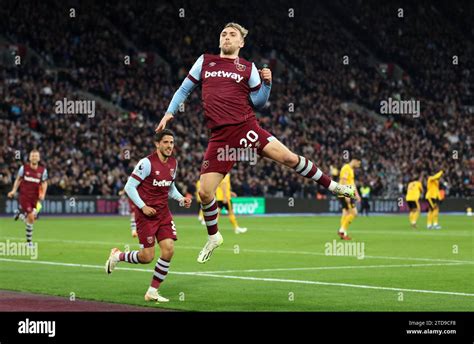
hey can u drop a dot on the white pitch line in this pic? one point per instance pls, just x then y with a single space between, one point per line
42 262
68 241
335 284
422 233
336 267
243 250
260 279
365 256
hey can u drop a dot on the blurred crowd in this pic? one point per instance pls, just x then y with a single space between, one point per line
306 110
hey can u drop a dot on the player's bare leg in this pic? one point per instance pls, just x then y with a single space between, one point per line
161 271
209 183
278 152
30 219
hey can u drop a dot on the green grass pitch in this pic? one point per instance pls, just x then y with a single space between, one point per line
280 264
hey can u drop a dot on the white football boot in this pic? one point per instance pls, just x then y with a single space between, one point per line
113 260
213 242
153 295
240 230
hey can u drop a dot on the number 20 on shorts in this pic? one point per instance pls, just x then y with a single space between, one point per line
251 136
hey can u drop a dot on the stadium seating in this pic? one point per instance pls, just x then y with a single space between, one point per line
86 53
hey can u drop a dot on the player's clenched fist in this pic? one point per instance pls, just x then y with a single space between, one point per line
266 75
164 121
148 211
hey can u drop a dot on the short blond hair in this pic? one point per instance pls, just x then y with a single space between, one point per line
243 31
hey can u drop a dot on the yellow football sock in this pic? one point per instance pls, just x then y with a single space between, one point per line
435 216
416 215
343 222
349 219
430 218
233 220
410 217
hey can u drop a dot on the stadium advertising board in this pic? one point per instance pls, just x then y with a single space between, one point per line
88 205
247 206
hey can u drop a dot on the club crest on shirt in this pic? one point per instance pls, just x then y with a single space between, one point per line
157 173
212 64
238 66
